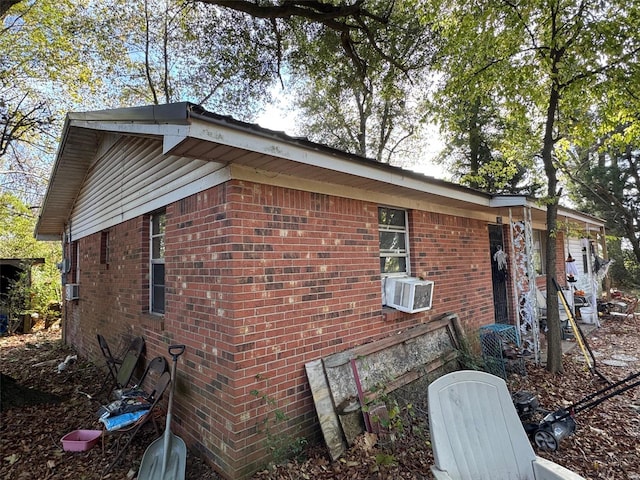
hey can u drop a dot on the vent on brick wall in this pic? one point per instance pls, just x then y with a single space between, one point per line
71 291
409 294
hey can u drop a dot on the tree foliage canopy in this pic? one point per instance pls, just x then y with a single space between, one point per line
41 67
17 222
349 95
539 67
358 70
109 53
525 92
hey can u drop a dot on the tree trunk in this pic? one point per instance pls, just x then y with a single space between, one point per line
554 331
554 334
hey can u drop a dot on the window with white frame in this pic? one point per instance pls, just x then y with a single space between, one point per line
394 235
156 274
539 251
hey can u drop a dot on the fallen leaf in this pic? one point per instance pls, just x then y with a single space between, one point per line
604 445
370 440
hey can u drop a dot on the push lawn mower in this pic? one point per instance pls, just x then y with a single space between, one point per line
558 425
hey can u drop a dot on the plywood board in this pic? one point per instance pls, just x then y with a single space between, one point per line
383 366
393 361
324 407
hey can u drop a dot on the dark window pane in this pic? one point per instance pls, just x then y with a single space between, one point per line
393 264
159 222
391 216
158 274
158 299
392 242
157 290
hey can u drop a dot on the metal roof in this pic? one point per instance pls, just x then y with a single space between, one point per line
189 130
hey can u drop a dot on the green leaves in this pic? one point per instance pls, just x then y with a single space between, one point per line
17 223
362 94
365 76
508 57
60 56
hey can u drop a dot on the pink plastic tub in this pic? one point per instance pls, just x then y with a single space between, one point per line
80 440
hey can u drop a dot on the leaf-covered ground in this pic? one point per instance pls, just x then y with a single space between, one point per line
39 406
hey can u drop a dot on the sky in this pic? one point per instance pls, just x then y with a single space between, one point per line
277 117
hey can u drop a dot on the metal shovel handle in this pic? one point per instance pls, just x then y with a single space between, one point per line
175 351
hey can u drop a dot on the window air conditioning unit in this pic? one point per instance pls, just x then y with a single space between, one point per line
71 291
409 294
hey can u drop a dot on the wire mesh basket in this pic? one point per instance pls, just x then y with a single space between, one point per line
501 351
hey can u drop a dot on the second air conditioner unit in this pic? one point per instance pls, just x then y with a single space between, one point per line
71 291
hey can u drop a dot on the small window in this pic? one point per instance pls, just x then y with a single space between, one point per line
392 227
156 274
104 247
539 251
74 271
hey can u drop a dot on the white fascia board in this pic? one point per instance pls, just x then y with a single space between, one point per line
580 217
131 128
523 201
279 148
172 134
510 201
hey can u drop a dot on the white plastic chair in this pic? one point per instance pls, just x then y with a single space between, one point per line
476 433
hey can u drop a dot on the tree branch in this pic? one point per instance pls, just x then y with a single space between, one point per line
345 19
5 5
314 11
147 55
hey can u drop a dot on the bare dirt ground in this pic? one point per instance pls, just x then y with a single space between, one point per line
39 406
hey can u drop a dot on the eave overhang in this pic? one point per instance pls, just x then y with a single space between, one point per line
188 130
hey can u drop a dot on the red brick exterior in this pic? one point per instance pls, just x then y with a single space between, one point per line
259 281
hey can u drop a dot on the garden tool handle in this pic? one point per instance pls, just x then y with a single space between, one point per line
176 350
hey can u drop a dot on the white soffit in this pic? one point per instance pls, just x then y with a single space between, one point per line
130 128
371 170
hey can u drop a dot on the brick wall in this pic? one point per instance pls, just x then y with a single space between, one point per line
259 281
110 293
454 252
